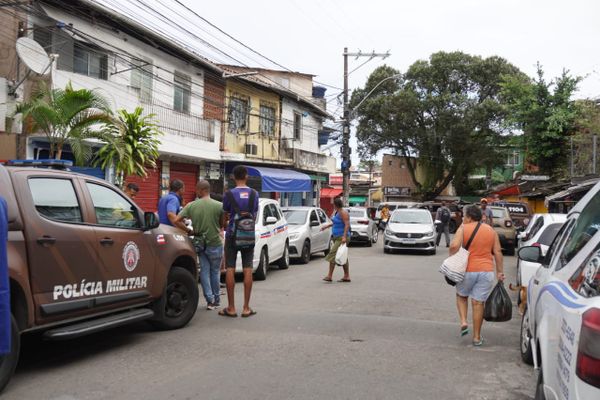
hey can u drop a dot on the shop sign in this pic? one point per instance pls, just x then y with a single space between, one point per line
396 191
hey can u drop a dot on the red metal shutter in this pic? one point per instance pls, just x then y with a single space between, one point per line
188 173
149 193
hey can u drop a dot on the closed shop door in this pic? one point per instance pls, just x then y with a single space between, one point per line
147 197
188 173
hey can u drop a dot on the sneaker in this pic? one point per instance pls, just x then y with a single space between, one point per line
210 306
216 304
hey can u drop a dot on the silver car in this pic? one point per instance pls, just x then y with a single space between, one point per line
410 229
363 229
307 232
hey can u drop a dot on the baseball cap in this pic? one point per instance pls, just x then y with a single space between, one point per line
483 201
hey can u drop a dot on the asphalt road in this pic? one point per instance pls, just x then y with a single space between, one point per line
392 333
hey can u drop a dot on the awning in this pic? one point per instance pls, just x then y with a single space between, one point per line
331 193
281 180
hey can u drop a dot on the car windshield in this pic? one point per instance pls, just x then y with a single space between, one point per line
498 213
357 213
411 217
295 217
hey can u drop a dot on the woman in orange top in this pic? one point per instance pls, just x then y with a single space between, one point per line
484 251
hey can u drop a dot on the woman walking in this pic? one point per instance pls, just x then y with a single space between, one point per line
341 229
484 252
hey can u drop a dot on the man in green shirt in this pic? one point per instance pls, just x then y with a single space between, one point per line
207 221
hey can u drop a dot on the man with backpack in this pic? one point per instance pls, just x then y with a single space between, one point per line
443 215
240 205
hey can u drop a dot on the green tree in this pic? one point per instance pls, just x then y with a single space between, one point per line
546 114
67 116
134 144
445 111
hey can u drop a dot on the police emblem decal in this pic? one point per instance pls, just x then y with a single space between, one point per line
131 256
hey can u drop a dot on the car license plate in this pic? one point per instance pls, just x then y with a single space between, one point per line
409 241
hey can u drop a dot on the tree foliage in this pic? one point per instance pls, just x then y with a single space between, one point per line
133 145
445 111
67 116
546 114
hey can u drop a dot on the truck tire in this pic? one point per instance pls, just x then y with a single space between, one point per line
8 362
179 301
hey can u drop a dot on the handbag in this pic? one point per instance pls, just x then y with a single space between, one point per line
454 267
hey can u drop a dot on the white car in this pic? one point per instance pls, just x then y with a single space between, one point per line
307 232
410 229
272 242
362 228
541 232
560 329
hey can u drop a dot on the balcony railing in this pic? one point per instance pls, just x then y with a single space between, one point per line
181 124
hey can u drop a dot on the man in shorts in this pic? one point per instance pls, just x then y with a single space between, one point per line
242 195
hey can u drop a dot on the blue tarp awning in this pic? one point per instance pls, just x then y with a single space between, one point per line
281 180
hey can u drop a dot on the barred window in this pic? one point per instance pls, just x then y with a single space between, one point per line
267 120
238 115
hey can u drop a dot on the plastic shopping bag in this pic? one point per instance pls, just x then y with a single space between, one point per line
341 256
498 307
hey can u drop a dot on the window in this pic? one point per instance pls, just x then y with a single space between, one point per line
274 211
182 94
238 114
267 120
536 227
313 216
549 234
297 126
586 279
141 79
513 159
90 62
55 199
322 216
111 208
267 212
584 228
43 36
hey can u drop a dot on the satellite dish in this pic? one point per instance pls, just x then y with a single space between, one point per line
33 55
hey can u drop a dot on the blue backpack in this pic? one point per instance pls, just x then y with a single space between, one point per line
244 225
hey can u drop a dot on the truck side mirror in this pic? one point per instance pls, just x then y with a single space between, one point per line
150 220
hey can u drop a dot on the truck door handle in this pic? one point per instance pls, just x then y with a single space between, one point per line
46 240
106 241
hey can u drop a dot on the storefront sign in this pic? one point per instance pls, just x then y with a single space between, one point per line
535 177
396 191
336 179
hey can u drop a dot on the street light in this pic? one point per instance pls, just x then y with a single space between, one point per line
395 76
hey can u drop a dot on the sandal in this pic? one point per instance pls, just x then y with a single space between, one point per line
251 313
464 330
478 343
345 280
326 279
225 313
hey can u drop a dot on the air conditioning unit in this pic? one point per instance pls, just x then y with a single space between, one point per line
251 149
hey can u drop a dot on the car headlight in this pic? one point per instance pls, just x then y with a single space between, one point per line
430 233
294 236
388 232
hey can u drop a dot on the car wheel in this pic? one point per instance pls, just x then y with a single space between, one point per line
179 301
375 235
8 362
539 387
263 266
526 351
329 247
305 256
284 261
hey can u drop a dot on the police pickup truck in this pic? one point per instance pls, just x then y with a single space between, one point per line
82 258
560 329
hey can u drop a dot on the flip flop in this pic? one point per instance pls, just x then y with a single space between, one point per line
345 280
251 313
464 330
478 343
225 313
326 279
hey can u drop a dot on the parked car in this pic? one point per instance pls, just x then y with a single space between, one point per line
307 234
542 233
560 328
410 229
363 229
392 205
272 240
82 258
519 212
504 227
456 214
526 232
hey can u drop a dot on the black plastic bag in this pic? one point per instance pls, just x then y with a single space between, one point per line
498 307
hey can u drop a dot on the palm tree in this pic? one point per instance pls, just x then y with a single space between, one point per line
67 116
133 145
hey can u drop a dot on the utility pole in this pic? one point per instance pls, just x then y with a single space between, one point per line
346 123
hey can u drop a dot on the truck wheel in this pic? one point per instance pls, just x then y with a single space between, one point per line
263 266
526 351
305 258
284 261
8 362
179 301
